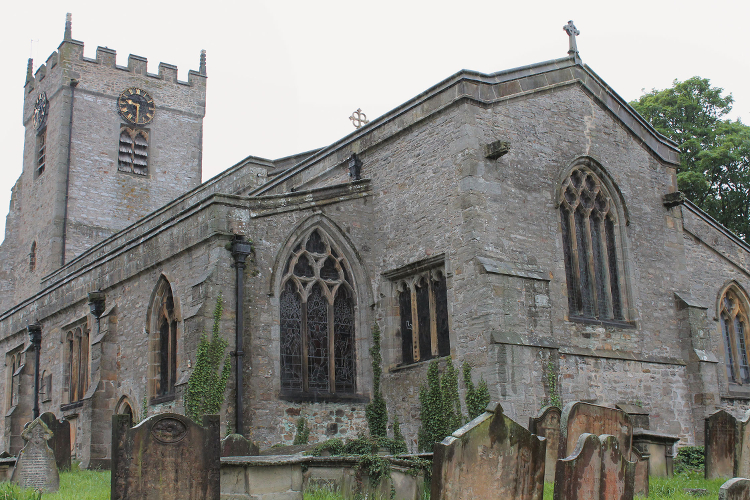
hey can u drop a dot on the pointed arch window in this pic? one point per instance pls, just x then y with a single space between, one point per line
734 330
32 258
77 362
590 224
317 320
162 344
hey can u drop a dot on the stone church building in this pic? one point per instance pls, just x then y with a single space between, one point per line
527 222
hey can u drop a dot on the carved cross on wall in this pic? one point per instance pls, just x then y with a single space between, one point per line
572 32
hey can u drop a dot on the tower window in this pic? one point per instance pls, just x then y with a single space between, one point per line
32 257
41 155
133 151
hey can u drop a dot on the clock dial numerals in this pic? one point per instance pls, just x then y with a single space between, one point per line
41 109
136 106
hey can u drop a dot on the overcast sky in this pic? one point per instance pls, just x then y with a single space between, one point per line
284 76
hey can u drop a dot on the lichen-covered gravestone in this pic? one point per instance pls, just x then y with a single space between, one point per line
737 488
36 467
60 442
165 457
721 440
547 425
579 418
597 469
742 465
490 457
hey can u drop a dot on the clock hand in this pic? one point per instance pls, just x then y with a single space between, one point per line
137 111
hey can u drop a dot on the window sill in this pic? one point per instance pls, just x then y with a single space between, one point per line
409 366
322 397
71 406
737 391
616 323
161 399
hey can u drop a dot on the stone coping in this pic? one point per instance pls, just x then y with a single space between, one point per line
658 437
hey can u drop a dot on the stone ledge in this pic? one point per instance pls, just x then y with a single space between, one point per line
514 269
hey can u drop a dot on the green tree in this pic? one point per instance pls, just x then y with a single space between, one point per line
714 169
208 382
376 411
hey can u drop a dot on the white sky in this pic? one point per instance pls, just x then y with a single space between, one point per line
284 76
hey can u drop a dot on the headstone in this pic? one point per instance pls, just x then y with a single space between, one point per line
742 465
642 470
638 415
596 469
578 418
165 457
547 425
490 457
237 445
36 467
60 442
720 441
737 488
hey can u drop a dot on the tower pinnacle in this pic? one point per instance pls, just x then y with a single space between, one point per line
68 27
202 69
29 71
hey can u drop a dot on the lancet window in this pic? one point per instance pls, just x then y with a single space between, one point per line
733 320
14 366
41 152
317 330
32 257
423 308
163 362
133 151
590 243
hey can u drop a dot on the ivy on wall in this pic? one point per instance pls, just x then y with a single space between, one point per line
477 398
208 381
376 411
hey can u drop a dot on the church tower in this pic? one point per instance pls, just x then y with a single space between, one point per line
104 145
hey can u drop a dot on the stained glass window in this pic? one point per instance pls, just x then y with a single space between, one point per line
588 222
733 319
317 319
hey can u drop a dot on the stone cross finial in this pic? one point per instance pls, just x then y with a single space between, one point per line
202 69
358 118
68 26
572 32
30 71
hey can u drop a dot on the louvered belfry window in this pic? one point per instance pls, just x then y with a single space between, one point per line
589 224
317 320
733 319
133 151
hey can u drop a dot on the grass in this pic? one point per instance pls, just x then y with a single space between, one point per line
74 485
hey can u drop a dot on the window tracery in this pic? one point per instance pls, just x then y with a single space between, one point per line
317 319
163 359
733 321
590 244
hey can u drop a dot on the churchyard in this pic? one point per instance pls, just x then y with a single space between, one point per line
490 457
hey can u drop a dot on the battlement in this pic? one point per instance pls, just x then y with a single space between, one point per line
71 51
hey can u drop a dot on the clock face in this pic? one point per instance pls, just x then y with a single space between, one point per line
41 108
136 106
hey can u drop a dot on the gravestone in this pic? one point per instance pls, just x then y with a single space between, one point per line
36 467
60 442
490 457
742 454
721 440
737 488
165 457
237 445
547 425
642 471
597 469
579 418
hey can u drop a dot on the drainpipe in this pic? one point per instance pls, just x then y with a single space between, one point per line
240 250
35 338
